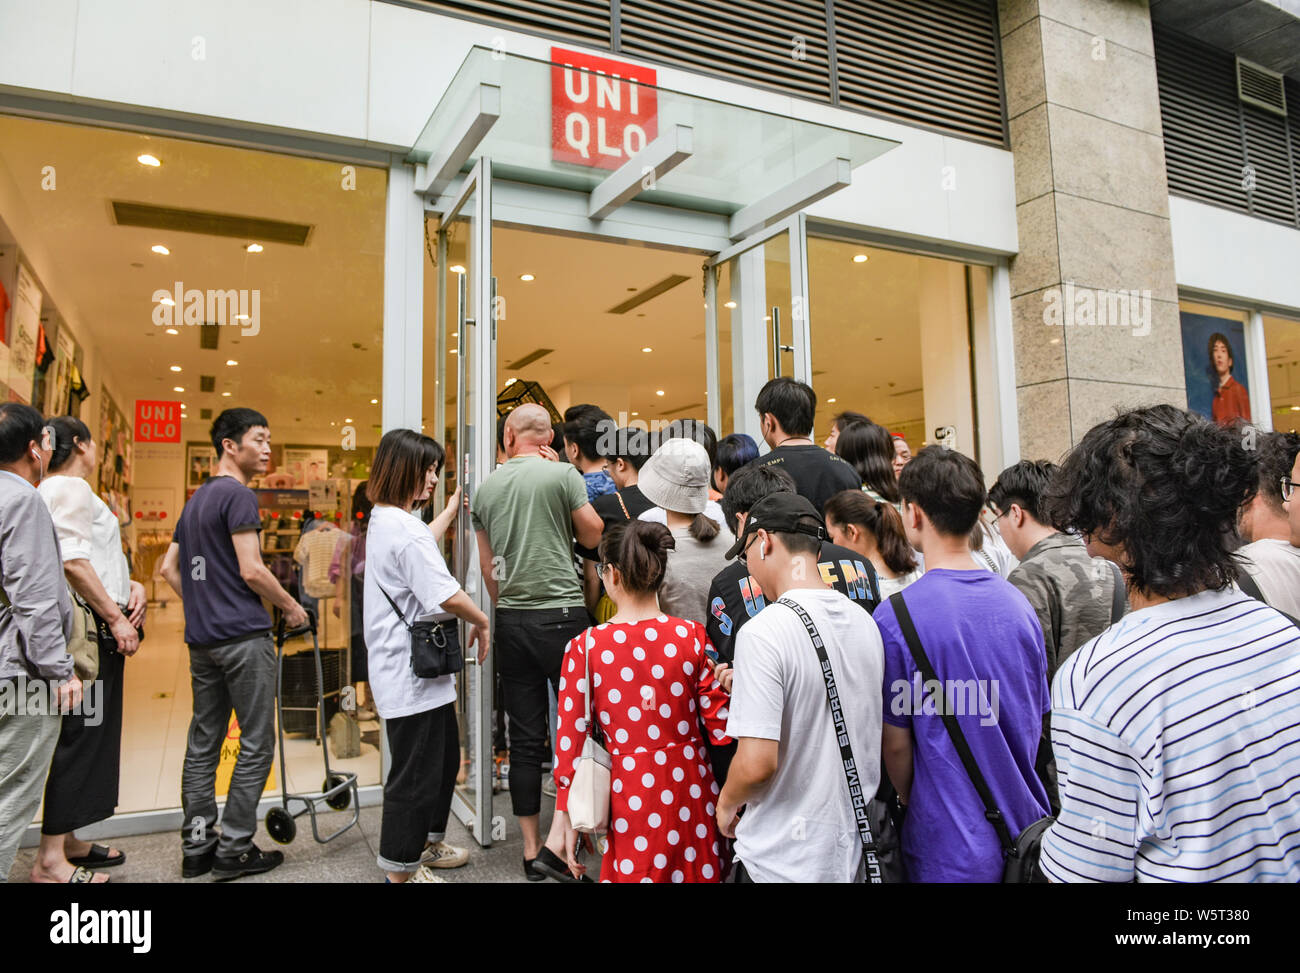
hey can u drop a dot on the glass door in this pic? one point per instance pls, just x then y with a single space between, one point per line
465 252
756 320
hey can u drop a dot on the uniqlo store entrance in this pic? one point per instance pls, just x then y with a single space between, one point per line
558 234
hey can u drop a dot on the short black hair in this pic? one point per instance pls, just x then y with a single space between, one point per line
948 486
628 444
402 461
1164 484
749 485
233 424
1277 453
68 431
20 426
735 451
798 543
1219 338
793 404
583 424
1023 484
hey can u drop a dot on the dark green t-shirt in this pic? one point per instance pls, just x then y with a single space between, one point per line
526 506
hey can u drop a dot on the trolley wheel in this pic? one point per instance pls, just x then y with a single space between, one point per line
280 825
340 800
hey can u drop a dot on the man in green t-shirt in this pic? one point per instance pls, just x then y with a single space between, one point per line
527 514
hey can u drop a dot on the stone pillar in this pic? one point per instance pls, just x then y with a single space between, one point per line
1092 207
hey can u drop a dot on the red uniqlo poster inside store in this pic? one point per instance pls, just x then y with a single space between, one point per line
157 422
599 117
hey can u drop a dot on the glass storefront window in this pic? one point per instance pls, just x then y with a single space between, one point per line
1282 348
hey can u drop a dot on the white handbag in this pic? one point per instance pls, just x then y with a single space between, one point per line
589 792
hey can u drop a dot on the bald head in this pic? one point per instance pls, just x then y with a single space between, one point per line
527 427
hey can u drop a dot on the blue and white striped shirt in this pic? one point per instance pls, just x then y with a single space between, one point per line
1177 741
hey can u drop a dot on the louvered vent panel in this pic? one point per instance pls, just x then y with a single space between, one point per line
1267 154
587 21
933 62
1260 87
770 43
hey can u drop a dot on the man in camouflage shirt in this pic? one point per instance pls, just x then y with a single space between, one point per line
1075 596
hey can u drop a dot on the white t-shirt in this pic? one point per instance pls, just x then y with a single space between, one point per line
801 827
88 530
403 558
1275 566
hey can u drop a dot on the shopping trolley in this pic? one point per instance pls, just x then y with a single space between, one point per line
340 789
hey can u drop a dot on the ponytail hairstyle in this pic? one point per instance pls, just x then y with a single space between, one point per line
704 529
881 521
869 449
68 431
639 549
1164 485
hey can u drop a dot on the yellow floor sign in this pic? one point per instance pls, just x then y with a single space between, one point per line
226 765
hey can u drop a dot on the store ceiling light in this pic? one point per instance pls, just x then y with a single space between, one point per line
527 277
859 258
254 248
231 361
145 159
456 269
347 420
172 331
225 395
160 249
730 304
659 391
830 400
374 401
647 350
178 388
167 302
176 368
511 381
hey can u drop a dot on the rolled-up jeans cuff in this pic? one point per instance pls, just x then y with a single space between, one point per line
391 866
436 836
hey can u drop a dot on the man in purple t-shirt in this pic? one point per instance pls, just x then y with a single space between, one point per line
214 564
986 646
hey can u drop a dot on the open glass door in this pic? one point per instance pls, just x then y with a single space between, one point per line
756 310
465 252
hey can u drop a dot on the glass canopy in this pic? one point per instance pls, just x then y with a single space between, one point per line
569 125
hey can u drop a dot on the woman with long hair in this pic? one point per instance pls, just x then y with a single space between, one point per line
874 529
869 449
406 580
676 480
838 424
82 785
651 684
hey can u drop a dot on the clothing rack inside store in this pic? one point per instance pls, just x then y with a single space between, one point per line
150 546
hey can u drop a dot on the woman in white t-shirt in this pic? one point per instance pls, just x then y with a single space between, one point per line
873 529
405 573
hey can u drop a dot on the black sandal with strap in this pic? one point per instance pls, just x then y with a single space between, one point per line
99 858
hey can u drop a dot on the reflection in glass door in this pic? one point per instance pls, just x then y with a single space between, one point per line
756 305
464 244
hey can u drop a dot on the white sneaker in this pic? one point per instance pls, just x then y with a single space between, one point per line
423 874
443 855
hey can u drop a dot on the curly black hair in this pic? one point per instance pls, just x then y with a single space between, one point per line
1165 485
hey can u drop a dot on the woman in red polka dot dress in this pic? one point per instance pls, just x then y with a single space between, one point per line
652 682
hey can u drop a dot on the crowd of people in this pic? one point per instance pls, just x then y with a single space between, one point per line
810 663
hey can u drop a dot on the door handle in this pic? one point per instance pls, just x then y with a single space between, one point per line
777 347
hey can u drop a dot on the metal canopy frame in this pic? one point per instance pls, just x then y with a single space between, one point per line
657 159
481 112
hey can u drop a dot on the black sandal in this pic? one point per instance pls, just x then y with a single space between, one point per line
99 858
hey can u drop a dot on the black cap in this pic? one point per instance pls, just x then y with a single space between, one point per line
784 513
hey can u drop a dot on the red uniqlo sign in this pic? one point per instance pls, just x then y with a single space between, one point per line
600 118
157 422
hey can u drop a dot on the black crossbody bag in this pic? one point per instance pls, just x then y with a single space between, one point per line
432 653
881 852
1022 852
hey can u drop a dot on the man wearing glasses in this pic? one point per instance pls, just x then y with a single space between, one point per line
1270 523
35 623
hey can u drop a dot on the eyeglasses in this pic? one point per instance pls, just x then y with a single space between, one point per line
1287 487
742 557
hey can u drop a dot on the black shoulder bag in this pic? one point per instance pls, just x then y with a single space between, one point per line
432 653
1022 852
880 846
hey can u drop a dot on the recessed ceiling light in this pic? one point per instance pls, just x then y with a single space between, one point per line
830 400
159 248
455 334
659 391
859 258
636 413
231 361
1295 408
176 368
225 395
347 420
254 248
730 304
167 302
374 401
241 317
647 350
452 351
511 381
526 277
456 269
172 331
178 388
145 159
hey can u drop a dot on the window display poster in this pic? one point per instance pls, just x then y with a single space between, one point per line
65 352
22 337
305 466
200 463
1214 365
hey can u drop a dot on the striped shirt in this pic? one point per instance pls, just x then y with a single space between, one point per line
1177 740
